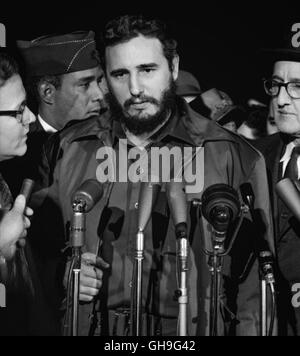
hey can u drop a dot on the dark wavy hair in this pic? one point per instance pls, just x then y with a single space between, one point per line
125 28
8 66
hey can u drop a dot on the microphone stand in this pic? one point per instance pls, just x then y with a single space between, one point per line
77 241
215 267
215 263
147 198
182 255
264 311
267 279
137 285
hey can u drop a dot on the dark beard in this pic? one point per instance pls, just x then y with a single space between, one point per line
139 126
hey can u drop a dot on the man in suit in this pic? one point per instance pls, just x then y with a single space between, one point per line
281 152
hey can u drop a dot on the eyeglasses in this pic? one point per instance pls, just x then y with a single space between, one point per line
17 114
272 88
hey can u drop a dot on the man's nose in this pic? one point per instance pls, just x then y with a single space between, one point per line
28 116
135 86
283 97
98 92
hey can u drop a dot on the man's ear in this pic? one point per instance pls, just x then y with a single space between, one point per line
47 92
175 65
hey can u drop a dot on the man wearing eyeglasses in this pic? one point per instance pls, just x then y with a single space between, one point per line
282 151
15 118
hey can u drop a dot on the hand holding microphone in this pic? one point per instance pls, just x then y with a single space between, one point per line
83 200
14 224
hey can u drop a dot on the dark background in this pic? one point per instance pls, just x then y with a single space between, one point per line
219 44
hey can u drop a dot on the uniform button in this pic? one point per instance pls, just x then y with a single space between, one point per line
284 215
136 205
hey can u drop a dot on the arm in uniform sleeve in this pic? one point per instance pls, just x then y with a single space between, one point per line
248 299
48 232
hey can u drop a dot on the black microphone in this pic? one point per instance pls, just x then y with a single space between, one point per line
87 195
289 194
27 188
220 206
83 200
266 266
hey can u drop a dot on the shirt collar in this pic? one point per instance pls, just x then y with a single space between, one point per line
288 152
46 126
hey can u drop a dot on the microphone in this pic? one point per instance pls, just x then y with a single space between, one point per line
87 195
266 266
27 188
220 207
178 206
289 194
83 200
147 198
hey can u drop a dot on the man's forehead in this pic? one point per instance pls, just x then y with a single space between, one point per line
140 48
12 93
287 68
84 74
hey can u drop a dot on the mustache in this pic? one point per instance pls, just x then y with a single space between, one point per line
140 100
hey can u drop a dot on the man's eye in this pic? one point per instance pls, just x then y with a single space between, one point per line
275 84
295 85
148 70
119 75
85 85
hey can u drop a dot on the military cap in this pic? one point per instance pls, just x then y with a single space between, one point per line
60 54
187 84
222 109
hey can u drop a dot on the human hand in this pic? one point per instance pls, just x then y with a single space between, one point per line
90 276
13 227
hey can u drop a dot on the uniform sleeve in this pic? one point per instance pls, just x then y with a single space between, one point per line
249 297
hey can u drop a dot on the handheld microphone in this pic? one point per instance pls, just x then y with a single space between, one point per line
289 194
83 200
27 188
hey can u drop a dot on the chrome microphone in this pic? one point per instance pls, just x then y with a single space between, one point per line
83 200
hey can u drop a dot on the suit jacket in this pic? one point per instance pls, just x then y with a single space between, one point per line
273 148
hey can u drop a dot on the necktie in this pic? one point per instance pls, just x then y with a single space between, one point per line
292 167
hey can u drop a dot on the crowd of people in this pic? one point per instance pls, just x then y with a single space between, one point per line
129 98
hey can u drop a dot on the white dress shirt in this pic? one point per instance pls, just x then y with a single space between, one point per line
287 156
46 126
